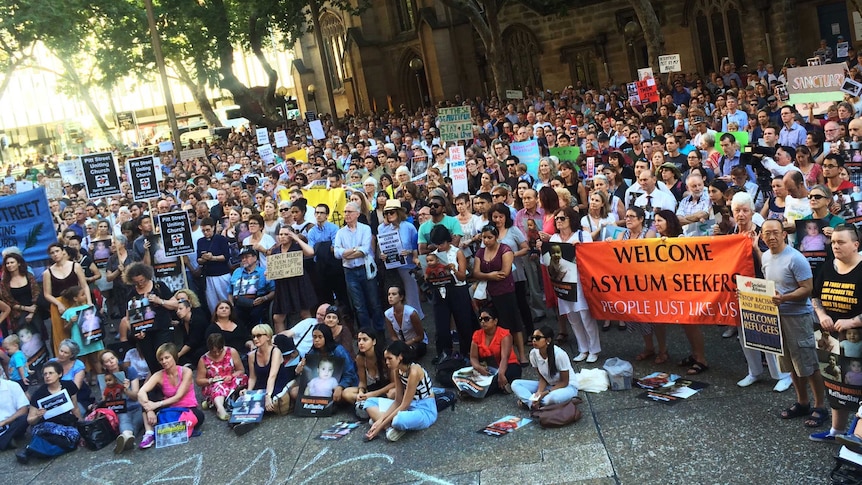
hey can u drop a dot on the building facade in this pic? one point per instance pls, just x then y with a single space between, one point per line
371 58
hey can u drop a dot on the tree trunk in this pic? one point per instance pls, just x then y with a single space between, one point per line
651 29
84 94
251 104
199 94
268 98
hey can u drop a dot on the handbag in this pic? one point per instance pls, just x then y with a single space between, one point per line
97 433
370 268
557 415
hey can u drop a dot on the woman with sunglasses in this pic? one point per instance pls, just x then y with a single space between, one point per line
491 351
396 223
819 197
557 379
838 315
583 324
266 371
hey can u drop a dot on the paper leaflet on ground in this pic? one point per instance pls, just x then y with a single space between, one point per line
668 388
249 408
338 430
471 382
505 425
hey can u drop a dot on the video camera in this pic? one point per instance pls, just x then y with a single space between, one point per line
752 155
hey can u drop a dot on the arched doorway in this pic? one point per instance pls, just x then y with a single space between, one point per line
414 82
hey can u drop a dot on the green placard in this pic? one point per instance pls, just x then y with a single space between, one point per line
570 154
741 138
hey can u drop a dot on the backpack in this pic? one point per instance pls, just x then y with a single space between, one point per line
445 370
52 439
444 399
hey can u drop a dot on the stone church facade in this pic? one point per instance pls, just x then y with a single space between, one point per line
371 58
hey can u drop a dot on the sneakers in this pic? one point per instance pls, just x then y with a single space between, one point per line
822 437
748 380
147 441
360 411
783 384
580 357
23 456
730 332
120 444
592 358
393 434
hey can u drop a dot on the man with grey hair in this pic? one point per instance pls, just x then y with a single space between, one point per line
353 247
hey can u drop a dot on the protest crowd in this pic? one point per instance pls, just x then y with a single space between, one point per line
317 264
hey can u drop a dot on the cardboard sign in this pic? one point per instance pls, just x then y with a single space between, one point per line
54 188
284 265
455 123
514 94
100 175
456 154
193 153
281 139
141 172
669 63
644 73
166 146
171 434
176 232
262 136
647 91
812 84
760 327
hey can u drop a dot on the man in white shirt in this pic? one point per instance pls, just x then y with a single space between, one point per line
653 200
14 407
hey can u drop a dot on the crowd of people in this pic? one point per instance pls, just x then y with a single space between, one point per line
216 320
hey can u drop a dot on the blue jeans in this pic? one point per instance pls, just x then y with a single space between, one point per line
132 420
363 297
524 388
420 415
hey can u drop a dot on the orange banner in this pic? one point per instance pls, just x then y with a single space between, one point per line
681 280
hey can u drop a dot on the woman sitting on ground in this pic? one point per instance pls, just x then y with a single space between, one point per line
556 382
403 322
131 421
219 373
324 345
374 378
414 407
63 423
491 351
175 382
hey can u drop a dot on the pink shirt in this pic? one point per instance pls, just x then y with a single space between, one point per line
169 390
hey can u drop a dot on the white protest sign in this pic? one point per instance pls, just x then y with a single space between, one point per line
281 139
317 130
644 73
265 152
262 136
669 63
514 94
458 172
54 188
192 153
22 186
166 146
71 171
456 154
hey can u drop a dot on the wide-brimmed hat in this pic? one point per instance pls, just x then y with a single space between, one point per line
393 204
669 166
203 176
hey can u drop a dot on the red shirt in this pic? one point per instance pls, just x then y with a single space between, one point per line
494 348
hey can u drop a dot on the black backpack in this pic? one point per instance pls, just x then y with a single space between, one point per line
445 370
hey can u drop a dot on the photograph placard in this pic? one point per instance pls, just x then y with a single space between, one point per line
55 404
318 381
172 434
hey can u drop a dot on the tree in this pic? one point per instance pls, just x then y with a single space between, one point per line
651 29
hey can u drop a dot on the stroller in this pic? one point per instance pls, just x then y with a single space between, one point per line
848 463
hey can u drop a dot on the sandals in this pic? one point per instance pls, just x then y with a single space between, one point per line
817 417
644 356
797 410
606 326
622 327
697 368
686 362
661 358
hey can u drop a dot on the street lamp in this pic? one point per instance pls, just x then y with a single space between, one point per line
416 66
631 30
310 89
